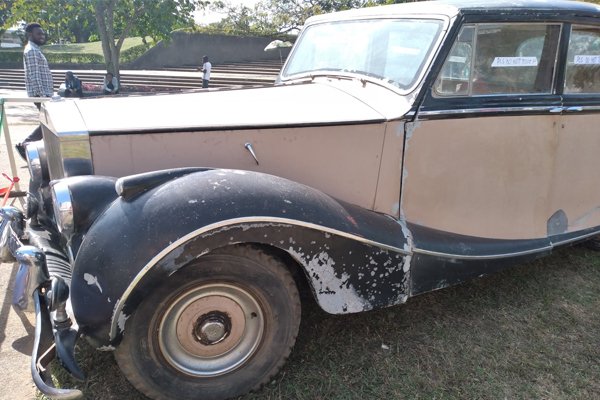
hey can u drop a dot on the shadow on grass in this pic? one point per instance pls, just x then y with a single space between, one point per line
529 332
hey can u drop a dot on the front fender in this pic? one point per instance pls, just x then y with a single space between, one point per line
355 259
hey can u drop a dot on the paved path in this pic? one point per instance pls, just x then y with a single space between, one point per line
16 331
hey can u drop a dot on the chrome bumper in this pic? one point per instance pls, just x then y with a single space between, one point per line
12 227
35 287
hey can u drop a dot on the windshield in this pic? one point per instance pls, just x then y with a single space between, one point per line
393 50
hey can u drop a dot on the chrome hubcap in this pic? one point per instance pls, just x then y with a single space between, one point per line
211 330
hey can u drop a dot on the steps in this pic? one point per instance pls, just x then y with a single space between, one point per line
184 78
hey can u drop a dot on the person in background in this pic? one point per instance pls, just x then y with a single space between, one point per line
38 78
111 84
72 85
206 67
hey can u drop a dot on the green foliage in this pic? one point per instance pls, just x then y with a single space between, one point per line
64 20
16 56
134 52
270 17
74 58
11 56
117 19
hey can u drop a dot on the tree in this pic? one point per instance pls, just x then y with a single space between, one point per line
63 20
117 19
114 20
281 16
5 12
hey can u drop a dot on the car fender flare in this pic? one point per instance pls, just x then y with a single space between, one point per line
355 259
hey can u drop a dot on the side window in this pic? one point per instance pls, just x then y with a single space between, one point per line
491 59
455 77
583 61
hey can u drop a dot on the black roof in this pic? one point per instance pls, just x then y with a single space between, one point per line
452 8
563 5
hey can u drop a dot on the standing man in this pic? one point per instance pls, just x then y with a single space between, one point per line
38 78
206 67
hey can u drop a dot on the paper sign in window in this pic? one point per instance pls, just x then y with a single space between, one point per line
587 60
457 59
515 62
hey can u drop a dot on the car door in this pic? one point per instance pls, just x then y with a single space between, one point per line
479 158
576 189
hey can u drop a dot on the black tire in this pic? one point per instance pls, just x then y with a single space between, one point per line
214 330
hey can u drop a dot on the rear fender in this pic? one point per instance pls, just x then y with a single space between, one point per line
355 259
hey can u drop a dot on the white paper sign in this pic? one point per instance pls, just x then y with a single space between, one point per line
515 62
587 60
458 59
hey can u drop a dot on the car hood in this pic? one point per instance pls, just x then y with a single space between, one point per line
320 102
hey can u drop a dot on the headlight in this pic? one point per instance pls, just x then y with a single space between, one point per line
63 207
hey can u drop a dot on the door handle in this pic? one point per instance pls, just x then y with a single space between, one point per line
249 147
574 109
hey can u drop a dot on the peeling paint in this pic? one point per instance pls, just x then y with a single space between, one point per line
121 321
192 201
92 281
106 348
334 293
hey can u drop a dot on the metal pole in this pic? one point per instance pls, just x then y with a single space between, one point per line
9 146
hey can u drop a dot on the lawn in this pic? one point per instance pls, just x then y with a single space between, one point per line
90 48
81 48
529 332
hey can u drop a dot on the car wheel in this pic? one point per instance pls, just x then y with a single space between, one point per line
216 329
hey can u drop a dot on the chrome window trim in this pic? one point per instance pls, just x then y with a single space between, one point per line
490 110
477 25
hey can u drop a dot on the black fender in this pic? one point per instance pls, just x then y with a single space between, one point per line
355 259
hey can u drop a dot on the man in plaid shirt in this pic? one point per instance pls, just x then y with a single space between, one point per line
38 78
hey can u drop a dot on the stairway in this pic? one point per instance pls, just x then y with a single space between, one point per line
184 78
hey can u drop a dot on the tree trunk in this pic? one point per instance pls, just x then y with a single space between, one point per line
105 13
102 10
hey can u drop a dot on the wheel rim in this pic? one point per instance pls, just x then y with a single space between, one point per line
211 330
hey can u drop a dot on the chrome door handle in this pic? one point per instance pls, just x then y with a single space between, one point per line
249 147
556 110
574 109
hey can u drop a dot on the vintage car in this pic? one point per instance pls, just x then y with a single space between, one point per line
404 149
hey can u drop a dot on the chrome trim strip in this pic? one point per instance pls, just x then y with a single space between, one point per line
485 110
483 257
588 235
66 139
33 163
221 224
506 255
63 207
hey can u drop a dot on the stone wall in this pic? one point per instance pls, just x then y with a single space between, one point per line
188 48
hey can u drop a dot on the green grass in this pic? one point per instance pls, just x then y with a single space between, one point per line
90 48
83 48
530 332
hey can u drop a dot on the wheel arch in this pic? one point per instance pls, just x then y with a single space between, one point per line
139 242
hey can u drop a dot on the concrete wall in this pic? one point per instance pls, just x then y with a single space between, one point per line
188 49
